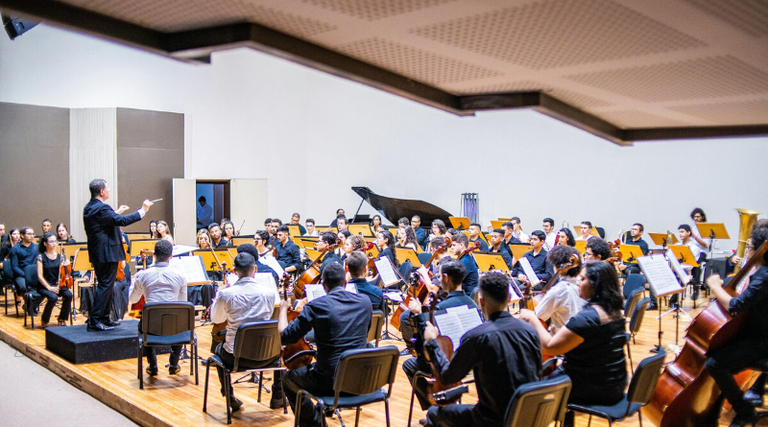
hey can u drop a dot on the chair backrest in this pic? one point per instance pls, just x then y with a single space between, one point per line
167 318
405 268
631 304
424 257
645 378
600 232
634 281
30 277
7 271
637 316
539 403
365 370
258 341
377 322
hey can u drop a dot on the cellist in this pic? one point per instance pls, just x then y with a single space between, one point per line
751 343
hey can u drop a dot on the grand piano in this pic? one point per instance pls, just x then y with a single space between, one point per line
393 209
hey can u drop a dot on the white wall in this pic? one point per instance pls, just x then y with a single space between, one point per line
313 136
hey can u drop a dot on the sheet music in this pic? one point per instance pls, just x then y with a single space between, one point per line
183 249
659 274
232 278
267 280
681 273
394 296
514 293
456 321
272 263
528 270
386 271
191 267
316 291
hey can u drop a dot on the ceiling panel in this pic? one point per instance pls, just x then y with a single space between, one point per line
750 16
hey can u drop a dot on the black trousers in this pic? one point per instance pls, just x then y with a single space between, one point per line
151 355
66 304
406 329
411 367
105 278
20 284
306 378
229 362
457 415
723 363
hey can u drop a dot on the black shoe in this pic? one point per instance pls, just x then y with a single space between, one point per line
99 327
423 422
750 418
174 370
111 323
236 403
753 398
695 296
151 371
405 352
275 403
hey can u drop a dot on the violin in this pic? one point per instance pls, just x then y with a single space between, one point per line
294 356
434 384
121 265
471 248
135 309
65 275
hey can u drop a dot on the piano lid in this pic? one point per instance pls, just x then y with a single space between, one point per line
394 209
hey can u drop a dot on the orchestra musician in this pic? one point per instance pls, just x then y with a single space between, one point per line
13 238
474 236
686 238
357 264
46 226
750 344
407 238
339 212
296 220
518 230
566 237
386 243
459 247
592 342
268 229
48 274
261 240
497 238
376 223
562 301
421 235
62 234
260 267
203 239
311 231
287 252
340 321
548 226
217 240
244 301
509 237
438 228
163 232
153 229
403 222
22 254
698 215
342 236
3 237
537 256
325 241
597 250
352 244
636 233
413 321
341 223
586 231
276 223
503 354
228 231
160 283
102 228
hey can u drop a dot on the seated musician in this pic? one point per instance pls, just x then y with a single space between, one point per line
413 322
438 228
160 283
23 254
537 256
586 231
341 223
406 238
296 220
46 226
48 275
686 238
474 236
503 354
244 301
518 230
261 241
276 223
566 237
386 243
403 222
497 238
509 238
228 231
592 342
562 301
353 244
357 264
597 250
260 266
637 240
421 235
339 212
163 231
749 345
342 236
203 239
268 229
62 234
311 232
459 248
548 226
340 321
217 241
287 251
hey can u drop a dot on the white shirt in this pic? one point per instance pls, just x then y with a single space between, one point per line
314 233
695 248
695 231
521 236
205 215
158 283
560 303
245 301
549 242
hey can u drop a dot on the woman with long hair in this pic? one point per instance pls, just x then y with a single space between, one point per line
48 275
153 229
203 239
406 238
229 231
343 236
62 234
163 232
386 243
376 223
565 235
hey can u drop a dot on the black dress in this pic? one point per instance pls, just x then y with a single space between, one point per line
51 275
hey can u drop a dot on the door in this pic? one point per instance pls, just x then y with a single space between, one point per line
184 211
248 202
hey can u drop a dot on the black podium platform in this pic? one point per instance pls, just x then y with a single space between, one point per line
77 345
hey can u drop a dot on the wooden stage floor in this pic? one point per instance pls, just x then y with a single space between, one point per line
176 401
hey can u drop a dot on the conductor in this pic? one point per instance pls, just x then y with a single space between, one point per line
105 249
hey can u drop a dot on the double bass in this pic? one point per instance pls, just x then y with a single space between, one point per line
686 394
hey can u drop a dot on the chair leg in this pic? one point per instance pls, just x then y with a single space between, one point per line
410 412
357 416
386 410
285 399
141 367
197 365
640 417
205 392
228 393
297 408
629 353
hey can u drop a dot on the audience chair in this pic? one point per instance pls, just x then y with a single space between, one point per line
165 324
377 323
538 404
361 376
638 395
7 280
259 343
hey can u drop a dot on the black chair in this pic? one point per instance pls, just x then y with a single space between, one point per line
165 324
7 280
377 323
600 232
360 376
31 297
634 281
634 325
259 342
631 303
424 257
638 395
762 366
538 404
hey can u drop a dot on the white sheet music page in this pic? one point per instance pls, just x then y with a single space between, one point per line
659 274
314 291
272 263
191 267
681 273
268 280
528 270
386 271
456 321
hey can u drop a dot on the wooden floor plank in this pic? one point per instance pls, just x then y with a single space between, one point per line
176 401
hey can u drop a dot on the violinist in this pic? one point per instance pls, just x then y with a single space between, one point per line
459 249
261 240
503 354
406 238
46 225
548 226
48 275
386 243
311 231
340 321
229 231
497 237
62 234
326 240
751 344
562 301
13 237
597 250
295 220
421 235
203 239
217 240
243 301
163 232
537 256
413 321
474 236
160 283
287 251
357 264
342 236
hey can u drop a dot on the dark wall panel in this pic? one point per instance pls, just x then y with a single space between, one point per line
150 153
34 165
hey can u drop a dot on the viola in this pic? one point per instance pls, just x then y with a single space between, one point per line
65 273
294 356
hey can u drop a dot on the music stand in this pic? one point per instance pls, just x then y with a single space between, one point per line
239 240
712 230
684 255
581 246
70 249
293 230
373 252
138 235
662 282
142 244
593 232
82 262
361 229
209 260
630 253
496 224
406 254
661 239
312 254
459 222
490 261
233 253
518 251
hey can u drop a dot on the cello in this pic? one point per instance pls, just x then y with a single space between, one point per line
686 394
312 273
294 356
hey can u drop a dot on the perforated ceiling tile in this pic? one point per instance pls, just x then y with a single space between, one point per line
557 33
696 78
738 113
521 86
628 119
415 63
178 15
371 10
750 16
573 98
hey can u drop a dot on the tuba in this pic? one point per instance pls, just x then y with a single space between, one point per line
747 218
